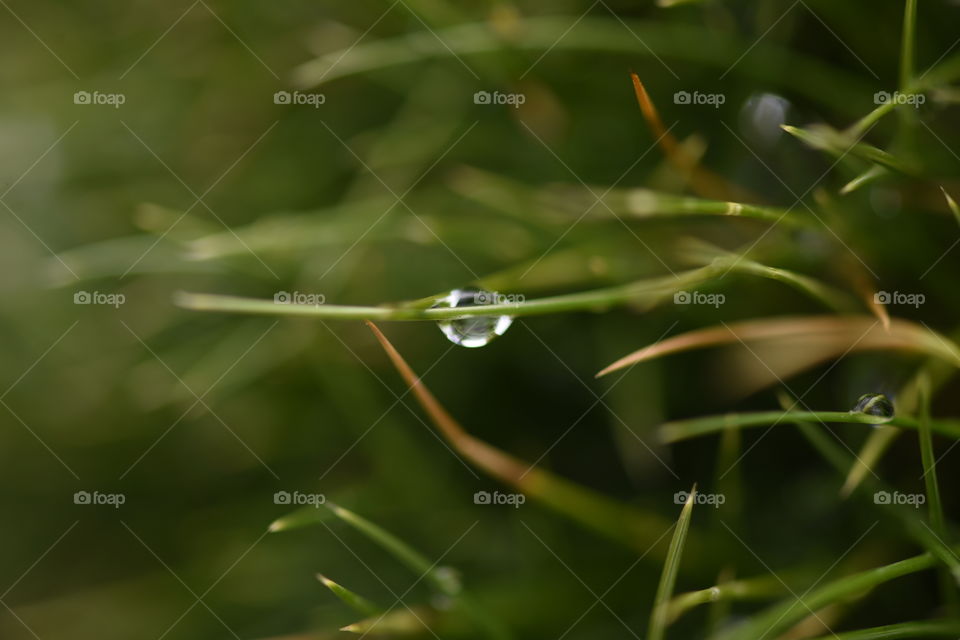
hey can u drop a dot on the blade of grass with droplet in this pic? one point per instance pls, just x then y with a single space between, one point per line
355 601
631 527
668 578
644 293
841 460
937 372
684 429
841 333
748 589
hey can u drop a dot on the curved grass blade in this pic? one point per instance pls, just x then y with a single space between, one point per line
658 619
302 517
837 334
355 601
612 519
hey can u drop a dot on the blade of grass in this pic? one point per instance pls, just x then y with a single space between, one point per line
838 145
874 173
926 629
840 333
355 601
937 372
645 293
658 618
954 208
614 520
401 622
948 579
908 517
771 622
812 78
704 253
683 429
704 182
907 44
746 590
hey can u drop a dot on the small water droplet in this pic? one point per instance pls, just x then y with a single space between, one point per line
876 405
473 331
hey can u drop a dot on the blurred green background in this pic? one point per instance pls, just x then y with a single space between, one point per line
201 181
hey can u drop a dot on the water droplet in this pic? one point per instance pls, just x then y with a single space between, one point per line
761 117
473 331
876 405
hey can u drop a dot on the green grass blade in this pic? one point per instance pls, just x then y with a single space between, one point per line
749 589
927 629
872 174
954 208
400 622
776 619
302 517
643 292
907 46
442 579
839 145
658 619
684 429
355 601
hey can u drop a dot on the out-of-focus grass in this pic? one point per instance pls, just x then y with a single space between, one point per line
398 186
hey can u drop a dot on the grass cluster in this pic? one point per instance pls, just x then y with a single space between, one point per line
716 226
